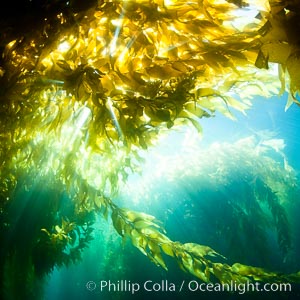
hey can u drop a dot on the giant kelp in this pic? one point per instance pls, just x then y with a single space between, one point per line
89 86
225 194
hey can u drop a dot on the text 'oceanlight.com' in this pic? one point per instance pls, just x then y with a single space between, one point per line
185 286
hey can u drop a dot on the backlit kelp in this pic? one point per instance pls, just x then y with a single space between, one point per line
248 196
91 85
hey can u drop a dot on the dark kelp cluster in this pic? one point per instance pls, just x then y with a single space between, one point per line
85 86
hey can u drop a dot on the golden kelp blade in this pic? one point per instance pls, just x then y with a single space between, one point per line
148 64
135 68
280 43
198 260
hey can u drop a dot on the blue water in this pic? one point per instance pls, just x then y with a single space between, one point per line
265 115
191 213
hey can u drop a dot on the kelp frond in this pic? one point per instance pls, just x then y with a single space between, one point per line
198 260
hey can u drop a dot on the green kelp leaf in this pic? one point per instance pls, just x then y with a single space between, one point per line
58 229
293 68
262 61
194 108
295 277
63 65
200 271
163 115
207 103
266 28
46 231
282 75
170 124
134 216
139 224
98 201
142 142
246 270
200 250
180 66
216 60
151 112
278 212
154 234
73 237
155 253
196 125
214 101
238 105
142 231
205 92
138 241
254 272
71 55
168 249
276 51
68 226
222 272
190 264
162 72
186 115
118 222
251 89
187 262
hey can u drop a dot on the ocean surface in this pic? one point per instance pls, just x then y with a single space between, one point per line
204 190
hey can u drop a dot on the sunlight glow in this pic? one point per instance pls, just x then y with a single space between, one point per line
64 47
113 45
209 163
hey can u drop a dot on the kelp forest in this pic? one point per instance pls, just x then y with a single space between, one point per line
88 87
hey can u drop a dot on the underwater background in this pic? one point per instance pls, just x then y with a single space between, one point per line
145 152
193 210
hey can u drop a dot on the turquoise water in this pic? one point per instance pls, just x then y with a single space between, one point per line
200 208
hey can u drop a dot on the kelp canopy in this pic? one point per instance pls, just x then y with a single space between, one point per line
84 87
